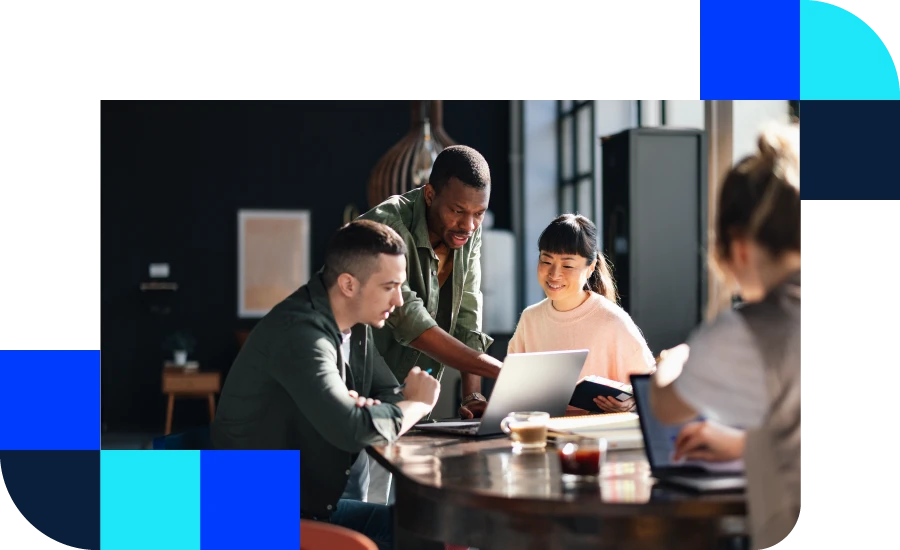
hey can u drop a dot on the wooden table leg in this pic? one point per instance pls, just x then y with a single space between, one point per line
212 407
169 411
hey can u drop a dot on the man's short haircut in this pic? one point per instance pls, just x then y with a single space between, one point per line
463 163
354 249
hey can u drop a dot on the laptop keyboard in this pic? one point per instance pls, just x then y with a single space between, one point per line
471 430
465 429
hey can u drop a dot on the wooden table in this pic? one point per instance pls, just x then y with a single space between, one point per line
479 493
179 382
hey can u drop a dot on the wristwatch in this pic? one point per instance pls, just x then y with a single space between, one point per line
473 397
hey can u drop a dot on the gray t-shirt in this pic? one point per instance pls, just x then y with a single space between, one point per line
358 481
724 377
745 367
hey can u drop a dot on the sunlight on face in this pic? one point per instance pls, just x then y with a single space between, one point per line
456 212
563 276
381 293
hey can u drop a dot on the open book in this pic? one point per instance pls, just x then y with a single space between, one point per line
592 386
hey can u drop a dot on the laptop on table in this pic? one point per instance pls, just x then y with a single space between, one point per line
539 381
659 444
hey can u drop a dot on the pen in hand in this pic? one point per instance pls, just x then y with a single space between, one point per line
399 388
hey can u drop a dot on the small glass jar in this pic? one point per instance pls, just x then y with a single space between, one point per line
581 459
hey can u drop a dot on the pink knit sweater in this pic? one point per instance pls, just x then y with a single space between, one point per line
617 347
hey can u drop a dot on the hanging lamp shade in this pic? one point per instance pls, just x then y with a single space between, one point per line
407 165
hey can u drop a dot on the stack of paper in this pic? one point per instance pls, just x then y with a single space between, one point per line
621 430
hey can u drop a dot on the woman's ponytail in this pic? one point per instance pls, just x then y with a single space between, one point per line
601 280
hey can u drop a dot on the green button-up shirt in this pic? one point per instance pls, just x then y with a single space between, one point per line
287 390
406 215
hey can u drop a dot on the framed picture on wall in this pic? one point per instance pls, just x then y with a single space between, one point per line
273 257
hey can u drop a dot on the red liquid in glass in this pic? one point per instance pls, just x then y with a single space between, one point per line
583 462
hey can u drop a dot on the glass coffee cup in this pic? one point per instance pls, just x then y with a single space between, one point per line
581 458
527 430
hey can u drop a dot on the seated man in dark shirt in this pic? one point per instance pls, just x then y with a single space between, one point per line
309 378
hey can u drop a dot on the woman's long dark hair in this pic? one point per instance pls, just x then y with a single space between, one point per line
577 235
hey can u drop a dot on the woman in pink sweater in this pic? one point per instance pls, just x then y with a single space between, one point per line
581 309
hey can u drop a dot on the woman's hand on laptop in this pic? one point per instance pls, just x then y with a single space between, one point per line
710 441
610 405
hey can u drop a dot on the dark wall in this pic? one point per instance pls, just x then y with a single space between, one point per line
174 175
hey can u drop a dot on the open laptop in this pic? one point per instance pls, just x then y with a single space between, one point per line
659 444
540 381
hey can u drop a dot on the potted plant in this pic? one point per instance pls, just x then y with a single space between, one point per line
180 344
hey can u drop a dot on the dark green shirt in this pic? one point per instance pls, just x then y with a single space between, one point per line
421 291
288 389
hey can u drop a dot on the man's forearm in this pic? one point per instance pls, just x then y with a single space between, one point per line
471 383
440 346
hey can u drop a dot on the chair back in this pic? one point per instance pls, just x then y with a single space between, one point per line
317 535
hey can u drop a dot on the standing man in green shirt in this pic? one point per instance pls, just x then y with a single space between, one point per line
309 378
439 322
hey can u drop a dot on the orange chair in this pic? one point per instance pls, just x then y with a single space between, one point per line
317 535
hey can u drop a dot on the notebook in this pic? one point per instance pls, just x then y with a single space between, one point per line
592 386
621 430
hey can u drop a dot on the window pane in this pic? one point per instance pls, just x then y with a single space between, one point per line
651 113
566 104
585 200
567 146
585 139
568 199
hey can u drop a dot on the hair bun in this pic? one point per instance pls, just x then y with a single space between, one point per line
779 148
